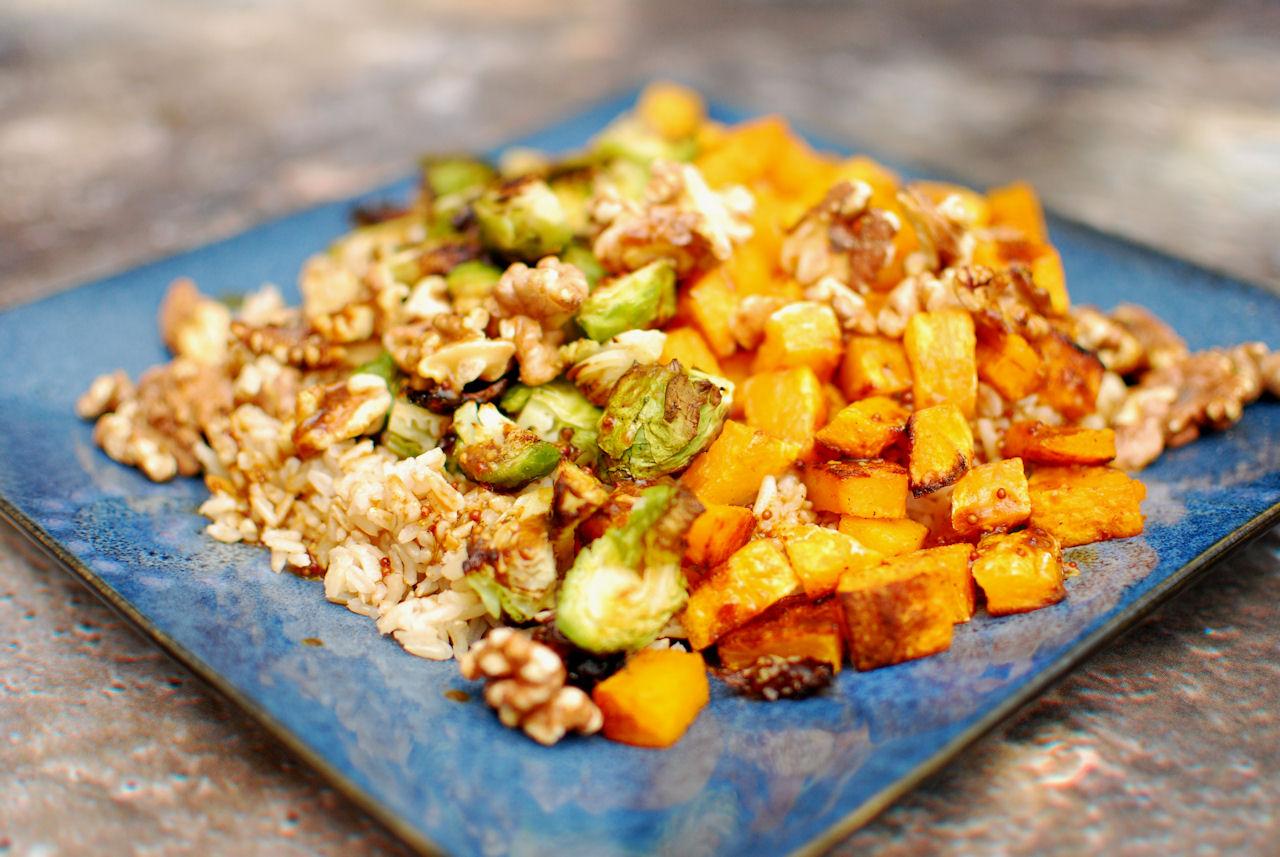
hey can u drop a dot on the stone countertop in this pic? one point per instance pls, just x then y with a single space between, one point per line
129 131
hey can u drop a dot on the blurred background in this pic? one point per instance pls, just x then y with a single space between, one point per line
131 130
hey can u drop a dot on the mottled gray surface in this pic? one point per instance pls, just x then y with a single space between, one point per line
131 130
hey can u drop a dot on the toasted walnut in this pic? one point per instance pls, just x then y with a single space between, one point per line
1269 366
773 677
449 351
750 317
944 228
681 220
290 344
549 294
334 300
106 393
902 303
841 238
328 413
192 325
1161 346
537 350
157 425
525 684
1117 348
1140 425
850 307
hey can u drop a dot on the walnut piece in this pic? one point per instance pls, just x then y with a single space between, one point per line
1269 366
750 317
841 238
290 344
681 220
944 228
328 413
549 294
192 325
525 684
537 350
1161 345
850 307
450 350
106 393
1113 343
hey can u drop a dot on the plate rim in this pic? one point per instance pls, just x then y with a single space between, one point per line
615 101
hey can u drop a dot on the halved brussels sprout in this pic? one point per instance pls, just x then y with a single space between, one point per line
512 566
581 257
624 587
450 175
495 451
660 417
631 139
557 412
522 218
643 298
412 430
597 368
473 280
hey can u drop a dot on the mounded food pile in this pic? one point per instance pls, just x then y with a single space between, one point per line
697 397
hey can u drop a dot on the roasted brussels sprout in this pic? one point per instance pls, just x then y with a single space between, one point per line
581 257
643 298
495 451
559 413
472 280
631 139
523 219
660 417
450 175
512 567
624 587
412 430
596 369
384 366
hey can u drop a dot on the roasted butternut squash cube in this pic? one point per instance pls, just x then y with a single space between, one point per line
1007 362
941 350
674 111
753 580
883 181
804 333
1047 274
895 614
1072 376
990 497
865 428
819 555
737 368
654 699
948 565
864 489
888 536
800 172
1016 206
788 404
712 303
1044 444
874 366
745 152
939 447
687 345
794 628
1079 505
1019 571
730 471
718 533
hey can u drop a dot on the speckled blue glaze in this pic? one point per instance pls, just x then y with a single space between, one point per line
749 777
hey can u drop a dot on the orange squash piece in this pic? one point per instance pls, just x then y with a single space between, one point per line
1016 206
745 152
795 627
864 489
948 566
654 699
1047 274
941 350
753 580
990 497
887 536
788 404
874 366
730 471
1019 571
687 345
717 533
1007 362
674 111
1072 376
737 368
939 447
712 303
897 611
865 428
1043 444
883 181
819 555
1079 505
801 334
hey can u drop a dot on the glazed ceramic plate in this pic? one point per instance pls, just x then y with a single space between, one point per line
748 777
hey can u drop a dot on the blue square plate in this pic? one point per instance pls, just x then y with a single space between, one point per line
749 777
